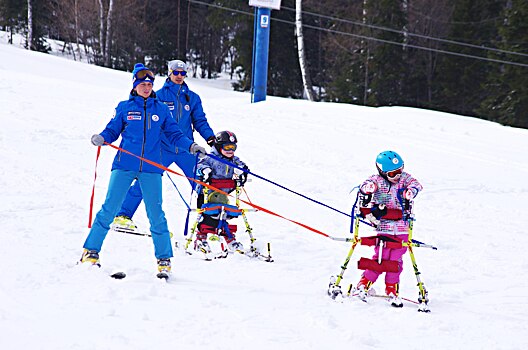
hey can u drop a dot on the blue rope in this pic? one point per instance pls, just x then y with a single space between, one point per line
274 183
184 201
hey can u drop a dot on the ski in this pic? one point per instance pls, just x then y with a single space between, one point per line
130 231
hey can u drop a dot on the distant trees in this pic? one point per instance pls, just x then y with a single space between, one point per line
421 53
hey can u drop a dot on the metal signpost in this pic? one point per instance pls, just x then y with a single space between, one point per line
259 72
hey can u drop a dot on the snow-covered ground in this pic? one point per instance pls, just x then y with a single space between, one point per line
473 208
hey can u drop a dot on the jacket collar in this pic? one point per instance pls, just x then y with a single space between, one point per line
183 88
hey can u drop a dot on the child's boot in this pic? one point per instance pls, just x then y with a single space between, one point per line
201 244
392 291
235 246
363 287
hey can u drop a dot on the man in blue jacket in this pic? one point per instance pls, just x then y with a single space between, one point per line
141 121
186 108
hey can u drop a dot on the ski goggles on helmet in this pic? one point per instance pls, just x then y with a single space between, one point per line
144 74
178 72
229 146
394 173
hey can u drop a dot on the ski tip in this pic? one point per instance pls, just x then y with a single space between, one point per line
118 275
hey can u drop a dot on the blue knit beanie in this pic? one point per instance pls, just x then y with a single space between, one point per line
149 77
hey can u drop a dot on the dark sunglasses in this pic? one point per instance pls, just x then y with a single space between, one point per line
179 72
394 173
143 74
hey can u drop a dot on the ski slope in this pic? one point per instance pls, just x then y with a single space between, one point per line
473 208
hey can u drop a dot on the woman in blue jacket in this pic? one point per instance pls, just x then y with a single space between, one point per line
186 108
140 121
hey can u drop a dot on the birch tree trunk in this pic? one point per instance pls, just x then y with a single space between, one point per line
30 26
101 30
76 9
109 33
307 82
366 50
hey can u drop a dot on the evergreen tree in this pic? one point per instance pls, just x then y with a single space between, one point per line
507 102
387 65
459 87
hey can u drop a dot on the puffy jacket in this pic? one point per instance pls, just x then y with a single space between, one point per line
141 124
219 170
387 193
186 108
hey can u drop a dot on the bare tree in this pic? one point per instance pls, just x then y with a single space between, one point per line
109 33
101 30
30 25
307 82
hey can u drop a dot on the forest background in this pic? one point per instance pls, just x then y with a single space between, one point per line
466 57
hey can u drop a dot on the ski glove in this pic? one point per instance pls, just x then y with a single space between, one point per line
206 172
97 140
368 187
241 175
409 193
211 141
196 149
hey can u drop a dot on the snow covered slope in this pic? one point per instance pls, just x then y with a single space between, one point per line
473 208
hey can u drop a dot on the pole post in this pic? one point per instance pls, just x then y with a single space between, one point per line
260 55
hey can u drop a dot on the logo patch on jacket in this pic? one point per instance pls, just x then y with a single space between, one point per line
134 115
169 104
155 117
187 107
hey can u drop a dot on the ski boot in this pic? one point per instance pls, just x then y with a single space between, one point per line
391 289
334 291
164 268
235 246
123 223
90 256
363 288
202 246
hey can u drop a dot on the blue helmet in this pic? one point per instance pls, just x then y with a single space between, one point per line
388 161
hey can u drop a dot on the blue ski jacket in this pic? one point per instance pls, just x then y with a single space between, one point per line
187 110
142 123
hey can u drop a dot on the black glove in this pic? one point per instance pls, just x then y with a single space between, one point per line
379 210
211 141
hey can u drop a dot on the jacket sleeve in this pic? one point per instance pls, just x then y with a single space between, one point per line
173 132
114 127
199 120
413 184
202 164
240 163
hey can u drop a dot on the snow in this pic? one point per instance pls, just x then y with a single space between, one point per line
472 208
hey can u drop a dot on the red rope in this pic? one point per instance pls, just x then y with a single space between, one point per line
217 190
93 188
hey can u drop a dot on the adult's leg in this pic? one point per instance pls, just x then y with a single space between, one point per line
120 181
132 201
152 194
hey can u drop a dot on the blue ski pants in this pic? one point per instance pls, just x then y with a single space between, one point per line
120 181
185 161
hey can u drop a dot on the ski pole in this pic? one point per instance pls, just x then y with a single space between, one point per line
419 244
355 241
93 188
422 291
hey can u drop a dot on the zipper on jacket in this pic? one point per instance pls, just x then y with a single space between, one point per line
178 116
144 134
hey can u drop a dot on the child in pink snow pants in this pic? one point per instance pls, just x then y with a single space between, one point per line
383 195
